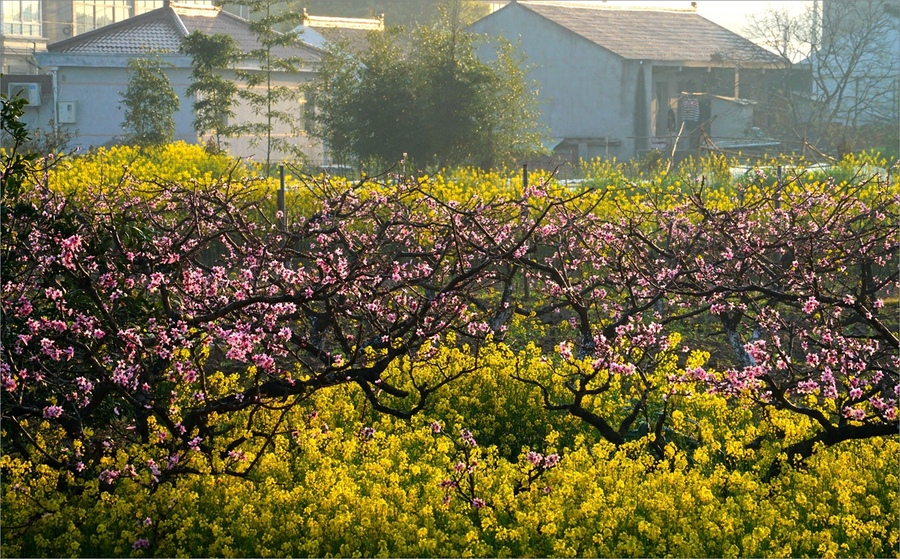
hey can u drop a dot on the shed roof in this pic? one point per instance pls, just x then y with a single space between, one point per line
162 30
659 34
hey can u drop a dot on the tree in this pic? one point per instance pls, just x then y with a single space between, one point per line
275 104
793 291
155 328
18 164
169 317
849 51
427 95
214 95
150 103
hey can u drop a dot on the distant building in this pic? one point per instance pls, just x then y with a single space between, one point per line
28 26
319 31
615 82
85 74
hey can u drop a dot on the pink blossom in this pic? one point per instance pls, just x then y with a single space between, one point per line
807 386
25 307
264 362
51 412
625 369
108 476
551 460
810 305
854 413
84 385
156 279
9 383
467 437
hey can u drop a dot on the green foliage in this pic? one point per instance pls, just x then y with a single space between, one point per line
425 94
275 104
15 166
214 95
150 103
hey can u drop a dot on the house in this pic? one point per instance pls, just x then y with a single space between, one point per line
615 82
87 72
28 26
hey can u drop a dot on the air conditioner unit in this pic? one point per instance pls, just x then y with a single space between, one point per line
31 92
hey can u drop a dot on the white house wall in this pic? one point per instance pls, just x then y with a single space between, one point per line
256 149
94 83
98 104
582 87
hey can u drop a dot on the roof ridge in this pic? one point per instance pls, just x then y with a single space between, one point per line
342 22
176 17
195 9
585 6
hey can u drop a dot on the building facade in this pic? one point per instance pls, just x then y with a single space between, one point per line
616 82
80 92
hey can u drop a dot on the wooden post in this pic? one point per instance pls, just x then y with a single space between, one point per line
282 220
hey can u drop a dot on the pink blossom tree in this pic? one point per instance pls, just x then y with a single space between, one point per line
145 313
789 291
121 305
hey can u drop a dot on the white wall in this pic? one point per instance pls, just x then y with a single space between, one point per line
94 83
99 111
581 87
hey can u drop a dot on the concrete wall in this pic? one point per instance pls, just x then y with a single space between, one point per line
584 90
94 83
732 119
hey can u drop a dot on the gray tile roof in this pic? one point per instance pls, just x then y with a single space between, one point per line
667 35
162 30
152 31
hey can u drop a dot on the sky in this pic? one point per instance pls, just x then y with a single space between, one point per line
731 14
